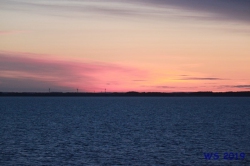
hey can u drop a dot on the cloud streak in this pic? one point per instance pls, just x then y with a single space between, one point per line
221 9
164 87
201 78
206 9
59 73
242 86
63 8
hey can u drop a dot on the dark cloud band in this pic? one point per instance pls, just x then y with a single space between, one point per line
236 10
200 78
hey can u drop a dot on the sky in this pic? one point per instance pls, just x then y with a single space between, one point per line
124 45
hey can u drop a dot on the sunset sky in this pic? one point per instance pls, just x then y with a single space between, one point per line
124 45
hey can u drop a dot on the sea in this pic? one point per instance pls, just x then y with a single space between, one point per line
173 131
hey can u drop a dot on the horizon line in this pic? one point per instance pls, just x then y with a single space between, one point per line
133 92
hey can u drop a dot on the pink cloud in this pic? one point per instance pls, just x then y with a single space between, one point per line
67 75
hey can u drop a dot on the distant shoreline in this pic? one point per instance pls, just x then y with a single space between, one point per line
126 94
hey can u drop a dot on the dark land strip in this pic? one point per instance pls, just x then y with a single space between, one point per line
128 94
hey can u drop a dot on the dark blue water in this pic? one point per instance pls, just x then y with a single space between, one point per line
123 130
